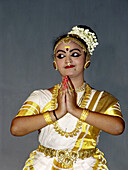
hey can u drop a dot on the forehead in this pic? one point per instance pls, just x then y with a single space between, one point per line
71 44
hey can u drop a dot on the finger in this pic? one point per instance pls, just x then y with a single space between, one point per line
67 90
71 88
61 87
70 83
59 93
64 82
61 90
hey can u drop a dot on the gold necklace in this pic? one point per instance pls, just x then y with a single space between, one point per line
81 88
82 103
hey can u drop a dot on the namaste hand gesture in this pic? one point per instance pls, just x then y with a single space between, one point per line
67 97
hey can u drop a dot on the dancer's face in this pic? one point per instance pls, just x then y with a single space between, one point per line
70 59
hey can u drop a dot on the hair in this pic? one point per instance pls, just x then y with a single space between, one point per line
75 36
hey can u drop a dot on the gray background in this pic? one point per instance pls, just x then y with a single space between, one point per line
27 32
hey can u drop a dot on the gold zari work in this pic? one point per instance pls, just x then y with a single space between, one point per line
84 115
29 108
47 118
98 101
82 104
57 165
66 157
68 134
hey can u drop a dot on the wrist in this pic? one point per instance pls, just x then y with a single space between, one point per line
75 110
59 113
84 115
47 118
54 113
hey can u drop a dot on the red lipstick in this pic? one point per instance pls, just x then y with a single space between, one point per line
71 66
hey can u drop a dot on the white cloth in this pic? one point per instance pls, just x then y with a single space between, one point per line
49 138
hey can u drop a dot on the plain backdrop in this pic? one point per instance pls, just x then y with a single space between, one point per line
28 29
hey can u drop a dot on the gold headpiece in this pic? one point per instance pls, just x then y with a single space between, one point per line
67 40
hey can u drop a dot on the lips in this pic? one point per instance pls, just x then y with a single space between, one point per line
71 66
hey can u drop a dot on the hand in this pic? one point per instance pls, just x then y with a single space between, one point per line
71 98
61 100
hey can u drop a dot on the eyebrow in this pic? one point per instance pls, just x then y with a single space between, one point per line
75 49
70 50
61 51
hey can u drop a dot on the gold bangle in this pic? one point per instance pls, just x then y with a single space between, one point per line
47 118
84 115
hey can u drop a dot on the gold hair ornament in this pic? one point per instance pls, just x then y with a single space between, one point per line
89 37
68 39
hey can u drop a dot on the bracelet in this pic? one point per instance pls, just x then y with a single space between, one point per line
55 114
84 115
47 118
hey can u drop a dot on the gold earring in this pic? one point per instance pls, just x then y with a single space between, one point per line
55 65
87 64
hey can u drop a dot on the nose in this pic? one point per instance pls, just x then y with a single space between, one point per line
68 59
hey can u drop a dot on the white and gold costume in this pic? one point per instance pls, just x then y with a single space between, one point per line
68 143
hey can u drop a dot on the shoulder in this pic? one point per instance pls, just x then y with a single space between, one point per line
106 95
103 100
40 95
51 89
40 92
103 93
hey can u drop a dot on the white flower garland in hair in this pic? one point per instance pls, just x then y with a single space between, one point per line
89 37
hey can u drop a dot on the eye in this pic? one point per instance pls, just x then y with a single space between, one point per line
75 54
60 56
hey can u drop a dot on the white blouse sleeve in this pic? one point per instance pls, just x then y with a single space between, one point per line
35 103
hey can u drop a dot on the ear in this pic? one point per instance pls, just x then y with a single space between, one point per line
88 60
54 63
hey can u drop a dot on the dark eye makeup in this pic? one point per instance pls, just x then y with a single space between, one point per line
75 54
60 56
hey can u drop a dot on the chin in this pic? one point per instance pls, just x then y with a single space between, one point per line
71 75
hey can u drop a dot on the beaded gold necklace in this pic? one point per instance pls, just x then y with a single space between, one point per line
82 103
82 88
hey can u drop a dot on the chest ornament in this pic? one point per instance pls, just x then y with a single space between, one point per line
82 103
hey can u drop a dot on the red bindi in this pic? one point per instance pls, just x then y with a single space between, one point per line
67 48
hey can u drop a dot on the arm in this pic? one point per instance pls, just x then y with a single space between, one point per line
26 124
109 123
23 125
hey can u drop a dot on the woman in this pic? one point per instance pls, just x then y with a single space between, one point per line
70 115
